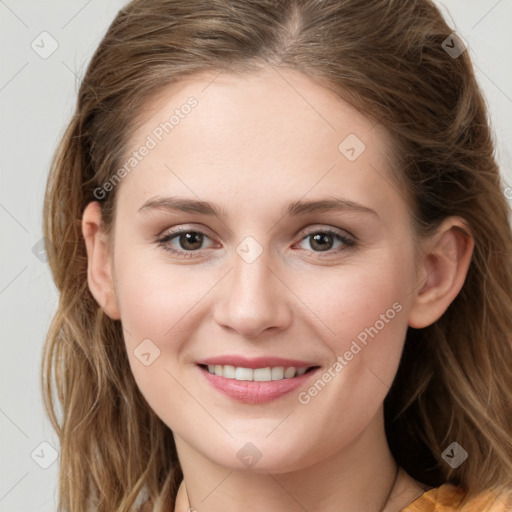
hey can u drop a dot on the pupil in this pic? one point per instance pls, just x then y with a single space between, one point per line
191 240
322 240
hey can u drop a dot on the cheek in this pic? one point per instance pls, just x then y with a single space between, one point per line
356 298
364 311
162 307
158 307
155 297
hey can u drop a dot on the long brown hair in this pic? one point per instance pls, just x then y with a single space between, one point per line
388 58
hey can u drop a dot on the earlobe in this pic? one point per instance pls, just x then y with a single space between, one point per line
444 266
99 273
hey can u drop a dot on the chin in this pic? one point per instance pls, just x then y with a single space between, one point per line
260 454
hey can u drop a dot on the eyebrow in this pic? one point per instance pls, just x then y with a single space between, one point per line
177 204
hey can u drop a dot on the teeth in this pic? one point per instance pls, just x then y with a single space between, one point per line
262 374
257 374
289 372
277 373
228 371
241 373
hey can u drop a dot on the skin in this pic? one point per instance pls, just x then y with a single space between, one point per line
251 146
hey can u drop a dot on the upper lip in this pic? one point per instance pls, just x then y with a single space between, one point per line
255 362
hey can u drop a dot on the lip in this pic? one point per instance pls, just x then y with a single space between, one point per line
255 392
256 362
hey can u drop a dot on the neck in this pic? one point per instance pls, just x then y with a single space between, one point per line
359 477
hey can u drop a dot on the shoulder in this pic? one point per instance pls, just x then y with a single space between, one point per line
449 498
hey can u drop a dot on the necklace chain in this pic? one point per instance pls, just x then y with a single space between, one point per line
381 509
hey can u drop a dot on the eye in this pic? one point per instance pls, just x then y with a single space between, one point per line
188 243
326 239
183 241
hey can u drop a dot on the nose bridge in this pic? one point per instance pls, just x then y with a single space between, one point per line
253 299
251 279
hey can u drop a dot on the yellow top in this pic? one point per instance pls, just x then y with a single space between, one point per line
447 498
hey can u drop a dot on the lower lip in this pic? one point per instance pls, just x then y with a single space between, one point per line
255 392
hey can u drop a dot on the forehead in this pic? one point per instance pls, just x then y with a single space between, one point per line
273 134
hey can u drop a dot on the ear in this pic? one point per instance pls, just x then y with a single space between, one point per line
443 268
99 260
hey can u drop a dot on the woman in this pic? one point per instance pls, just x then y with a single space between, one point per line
283 257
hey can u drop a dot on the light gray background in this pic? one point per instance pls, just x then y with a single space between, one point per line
37 97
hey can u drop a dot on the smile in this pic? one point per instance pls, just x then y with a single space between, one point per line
256 374
256 380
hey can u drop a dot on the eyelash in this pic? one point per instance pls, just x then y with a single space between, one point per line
163 241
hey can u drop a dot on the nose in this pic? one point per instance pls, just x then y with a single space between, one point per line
253 299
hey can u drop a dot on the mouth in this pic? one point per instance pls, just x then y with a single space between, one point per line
265 374
258 380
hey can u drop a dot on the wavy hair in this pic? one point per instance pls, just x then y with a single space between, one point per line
388 58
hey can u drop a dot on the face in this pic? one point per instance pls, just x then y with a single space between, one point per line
260 236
